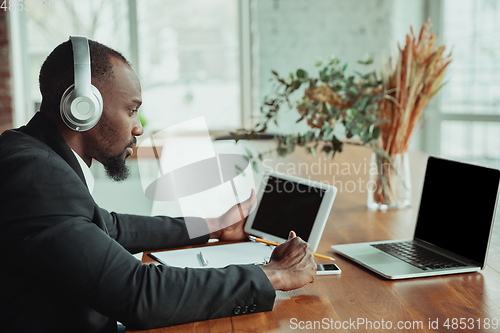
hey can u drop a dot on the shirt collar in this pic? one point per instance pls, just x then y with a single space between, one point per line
89 178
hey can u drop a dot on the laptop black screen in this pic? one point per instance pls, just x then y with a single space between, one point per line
457 207
287 205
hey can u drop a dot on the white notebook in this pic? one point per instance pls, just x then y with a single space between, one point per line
216 256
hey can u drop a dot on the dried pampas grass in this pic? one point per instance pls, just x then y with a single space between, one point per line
409 84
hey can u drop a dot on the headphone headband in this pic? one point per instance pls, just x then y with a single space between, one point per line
81 56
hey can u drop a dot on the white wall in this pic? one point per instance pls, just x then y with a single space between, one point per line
292 34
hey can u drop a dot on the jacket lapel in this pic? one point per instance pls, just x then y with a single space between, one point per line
42 128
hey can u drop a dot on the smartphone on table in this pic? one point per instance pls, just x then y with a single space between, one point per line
327 269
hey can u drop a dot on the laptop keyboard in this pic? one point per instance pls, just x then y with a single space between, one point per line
418 256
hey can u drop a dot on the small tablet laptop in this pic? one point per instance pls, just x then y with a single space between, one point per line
287 203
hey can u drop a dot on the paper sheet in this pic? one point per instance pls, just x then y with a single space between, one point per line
217 256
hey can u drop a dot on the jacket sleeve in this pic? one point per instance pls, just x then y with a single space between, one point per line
144 233
78 258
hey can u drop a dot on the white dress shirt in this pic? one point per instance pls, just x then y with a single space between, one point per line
87 174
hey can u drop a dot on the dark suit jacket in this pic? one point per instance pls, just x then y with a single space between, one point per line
66 262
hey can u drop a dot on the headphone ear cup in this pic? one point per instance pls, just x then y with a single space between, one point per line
81 104
81 113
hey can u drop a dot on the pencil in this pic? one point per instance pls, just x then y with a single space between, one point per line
260 240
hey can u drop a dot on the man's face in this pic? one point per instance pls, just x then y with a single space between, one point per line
112 139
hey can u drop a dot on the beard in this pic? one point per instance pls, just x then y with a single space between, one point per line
115 167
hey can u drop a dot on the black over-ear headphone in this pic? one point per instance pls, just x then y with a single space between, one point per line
81 103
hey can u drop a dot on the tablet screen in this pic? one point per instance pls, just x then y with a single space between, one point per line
287 205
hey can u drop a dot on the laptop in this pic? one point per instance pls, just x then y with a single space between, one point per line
453 228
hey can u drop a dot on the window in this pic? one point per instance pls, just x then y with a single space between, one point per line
189 61
468 124
185 52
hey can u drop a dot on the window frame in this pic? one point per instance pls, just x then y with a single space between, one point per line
20 73
432 130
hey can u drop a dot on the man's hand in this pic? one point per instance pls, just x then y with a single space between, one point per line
292 265
230 225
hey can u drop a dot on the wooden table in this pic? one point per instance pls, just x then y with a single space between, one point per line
350 301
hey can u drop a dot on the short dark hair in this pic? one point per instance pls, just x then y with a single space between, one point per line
57 72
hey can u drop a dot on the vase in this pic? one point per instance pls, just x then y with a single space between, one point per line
390 183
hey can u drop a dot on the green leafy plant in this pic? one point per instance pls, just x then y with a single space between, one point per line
331 98
142 119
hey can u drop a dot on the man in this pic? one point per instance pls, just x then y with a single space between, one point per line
67 263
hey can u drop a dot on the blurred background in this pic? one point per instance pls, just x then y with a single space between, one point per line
214 59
